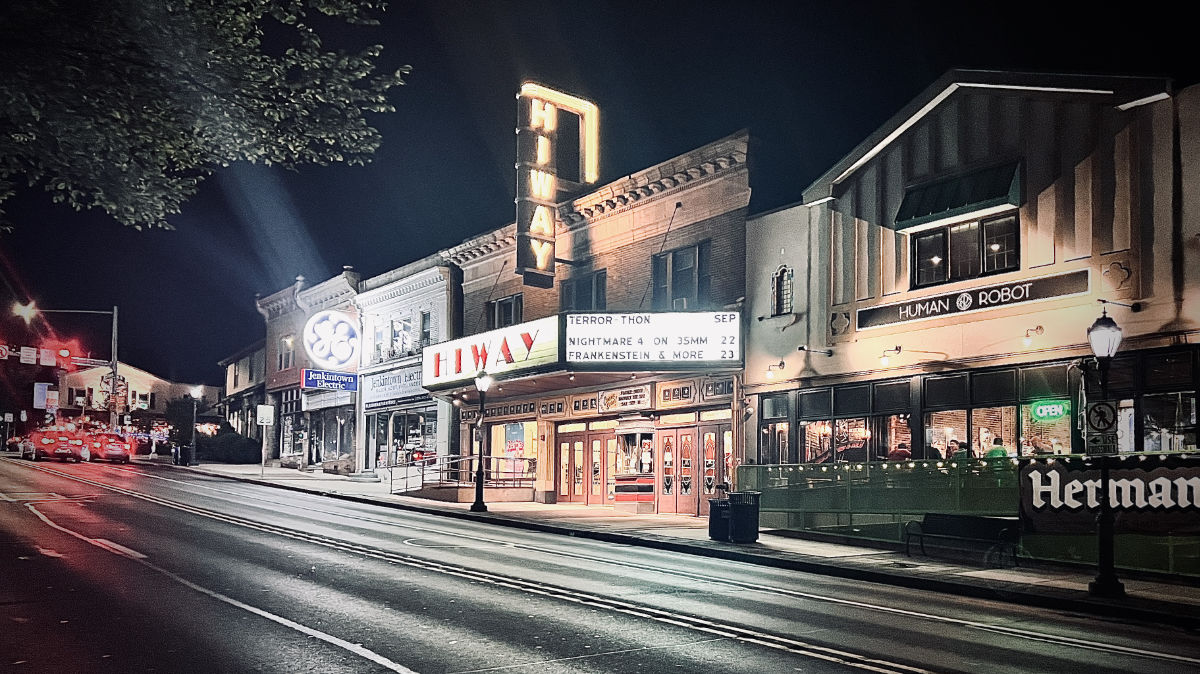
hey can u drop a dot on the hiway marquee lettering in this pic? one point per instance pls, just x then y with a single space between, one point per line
518 347
537 173
975 299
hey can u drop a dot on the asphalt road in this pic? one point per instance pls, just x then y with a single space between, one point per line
149 568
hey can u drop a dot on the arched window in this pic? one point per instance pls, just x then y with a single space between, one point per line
781 291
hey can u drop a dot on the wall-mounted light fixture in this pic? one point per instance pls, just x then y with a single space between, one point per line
571 376
1028 340
772 368
809 349
884 359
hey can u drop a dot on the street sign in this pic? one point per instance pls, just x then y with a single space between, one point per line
51 402
48 358
3 352
8 417
29 355
1102 443
89 362
1102 417
39 395
266 415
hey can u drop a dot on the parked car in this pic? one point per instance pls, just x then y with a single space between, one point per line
109 447
57 442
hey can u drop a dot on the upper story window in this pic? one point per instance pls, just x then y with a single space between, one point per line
781 291
585 293
402 335
236 370
965 251
426 329
505 311
287 352
682 278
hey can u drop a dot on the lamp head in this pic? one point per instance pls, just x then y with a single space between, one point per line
483 381
1104 336
196 392
25 311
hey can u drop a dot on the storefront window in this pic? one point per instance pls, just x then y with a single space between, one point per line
945 434
1169 422
513 449
994 431
850 437
892 438
817 439
1046 428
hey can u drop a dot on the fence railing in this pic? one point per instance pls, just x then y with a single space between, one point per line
458 470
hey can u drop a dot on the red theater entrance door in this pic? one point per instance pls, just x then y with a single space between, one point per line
586 463
678 491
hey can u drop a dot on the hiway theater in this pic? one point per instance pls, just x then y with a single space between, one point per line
632 410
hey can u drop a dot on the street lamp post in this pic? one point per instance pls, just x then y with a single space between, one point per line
1105 337
196 392
30 311
483 381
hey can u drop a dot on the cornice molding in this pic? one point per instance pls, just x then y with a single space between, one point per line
399 288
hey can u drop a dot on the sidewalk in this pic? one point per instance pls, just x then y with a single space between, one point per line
1048 587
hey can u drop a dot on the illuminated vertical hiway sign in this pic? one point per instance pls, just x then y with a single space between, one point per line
537 173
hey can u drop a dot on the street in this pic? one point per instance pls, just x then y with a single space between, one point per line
148 568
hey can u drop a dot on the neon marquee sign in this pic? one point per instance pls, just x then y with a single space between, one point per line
537 173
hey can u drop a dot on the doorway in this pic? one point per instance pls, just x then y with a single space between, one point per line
678 491
587 464
716 463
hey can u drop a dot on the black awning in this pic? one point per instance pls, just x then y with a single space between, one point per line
961 195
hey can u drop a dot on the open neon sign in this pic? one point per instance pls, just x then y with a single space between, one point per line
1050 409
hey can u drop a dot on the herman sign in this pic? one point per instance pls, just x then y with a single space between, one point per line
975 299
1150 494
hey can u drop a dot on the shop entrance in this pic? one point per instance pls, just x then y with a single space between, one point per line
587 467
716 462
678 488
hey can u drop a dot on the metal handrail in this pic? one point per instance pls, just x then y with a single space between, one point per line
459 470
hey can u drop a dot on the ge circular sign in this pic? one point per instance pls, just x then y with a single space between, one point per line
331 340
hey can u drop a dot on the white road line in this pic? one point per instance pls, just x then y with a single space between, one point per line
1074 642
811 650
626 651
303 629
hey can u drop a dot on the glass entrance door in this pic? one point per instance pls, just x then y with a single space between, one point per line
716 463
586 466
678 490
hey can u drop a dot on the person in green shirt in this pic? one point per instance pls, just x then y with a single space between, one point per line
997 448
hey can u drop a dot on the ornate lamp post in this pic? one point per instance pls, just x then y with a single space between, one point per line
196 392
483 381
1105 338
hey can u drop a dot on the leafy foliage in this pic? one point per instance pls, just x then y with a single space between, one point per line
127 105
179 415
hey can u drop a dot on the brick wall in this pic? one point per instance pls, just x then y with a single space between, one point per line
628 272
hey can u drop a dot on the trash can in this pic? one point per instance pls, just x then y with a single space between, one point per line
743 516
718 519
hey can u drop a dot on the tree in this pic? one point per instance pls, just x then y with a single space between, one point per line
179 415
127 105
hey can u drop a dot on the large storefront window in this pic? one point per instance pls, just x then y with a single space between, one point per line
774 429
402 436
1169 422
816 439
1046 428
945 434
850 437
891 438
512 448
994 431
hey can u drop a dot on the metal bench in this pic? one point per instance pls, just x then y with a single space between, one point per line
1003 532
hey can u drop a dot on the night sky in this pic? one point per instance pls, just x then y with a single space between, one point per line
809 80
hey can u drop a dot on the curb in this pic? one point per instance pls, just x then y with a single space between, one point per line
1176 615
